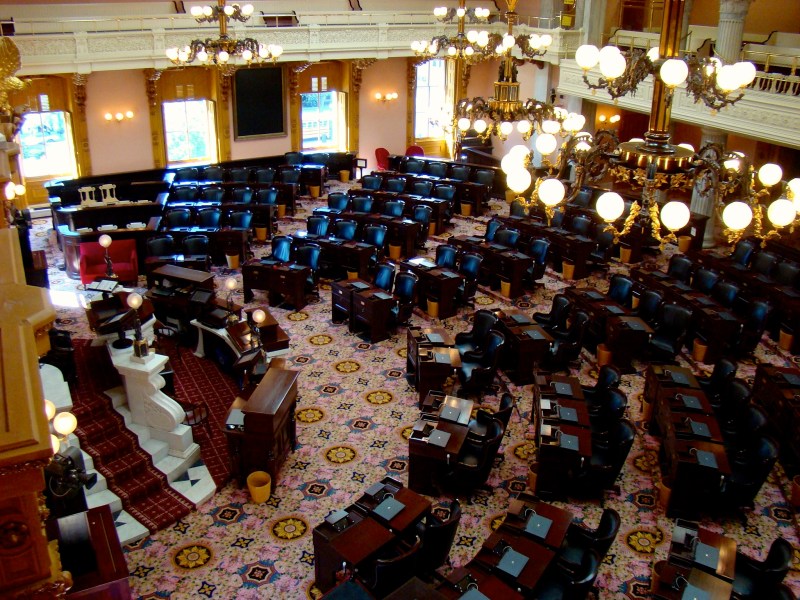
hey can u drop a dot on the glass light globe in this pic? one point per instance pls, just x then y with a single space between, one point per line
610 206
508 41
673 72
451 51
464 123
794 186
746 71
228 10
689 147
518 180
587 56
10 190
506 128
580 121
520 151
535 41
65 423
49 409
737 215
636 140
732 164
712 65
524 126
769 174
55 443
277 50
172 53
247 10
460 12
483 39
472 36
613 66
607 51
546 143
183 55
469 51
104 240
230 283
781 212
652 54
196 11
259 316
551 192
582 147
207 11
510 163
547 39
727 78
247 55
550 126
675 215
134 300
223 56
480 126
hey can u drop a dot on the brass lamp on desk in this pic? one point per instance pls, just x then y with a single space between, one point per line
230 285
140 347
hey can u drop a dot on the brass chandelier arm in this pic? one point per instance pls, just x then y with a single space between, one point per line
638 68
701 84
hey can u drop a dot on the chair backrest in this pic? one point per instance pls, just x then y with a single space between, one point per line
725 293
614 404
317 225
195 245
505 409
608 378
704 280
362 204
559 310
580 225
208 217
396 184
393 208
577 328
621 441
415 150
517 209
240 219
558 219
293 158
177 217
743 252
266 175
674 321
267 196
470 265
212 193
422 214
186 174
338 200
492 227
649 305
238 175
281 248
438 539
437 169
491 353
308 256
444 191
459 172
786 273
482 324
384 276
583 198
579 585
405 285
506 237
763 263
485 176
446 256
290 175
183 193
723 374
606 531
242 195
345 229
680 267
382 158
776 565
391 573
375 235
621 289
414 166
538 250
422 188
371 182
163 245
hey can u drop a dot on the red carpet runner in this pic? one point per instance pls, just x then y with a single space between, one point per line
128 469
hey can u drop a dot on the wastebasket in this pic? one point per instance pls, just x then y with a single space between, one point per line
624 254
281 211
261 233
533 473
233 260
684 243
313 191
505 287
699 350
394 252
344 176
466 209
433 308
567 269
786 339
603 355
260 485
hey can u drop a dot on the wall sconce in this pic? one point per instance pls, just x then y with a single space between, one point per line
385 97
118 117
605 119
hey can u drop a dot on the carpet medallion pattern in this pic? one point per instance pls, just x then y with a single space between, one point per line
355 411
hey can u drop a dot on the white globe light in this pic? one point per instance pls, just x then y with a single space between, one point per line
612 66
551 192
636 140
689 147
506 128
207 11
520 151
183 55
483 39
508 41
535 41
674 72
550 126
794 186
781 212
518 180
675 215
228 10
732 164
587 56
247 10
202 56
469 51
277 50
230 283
247 55
547 39
223 56
259 316
737 215
65 423
480 126
510 163
652 54
460 12
196 11
134 300
610 206
451 51
582 147
54 443
49 409
523 126
464 123
607 51
172 53
546 143
746 71
472 36
769 174
104 240
727 78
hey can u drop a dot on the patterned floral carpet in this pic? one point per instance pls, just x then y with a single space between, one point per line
355 410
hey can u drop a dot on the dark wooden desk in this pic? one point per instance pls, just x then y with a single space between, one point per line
498 261
371 308
404 522
555 461
686 554
521 508
777 391
434 368
399 230
269 433
348 254
418 339
539 558
427 463
342 297
626 337
544 387
478 576
526 344
659 377
551 414
279 280
434 282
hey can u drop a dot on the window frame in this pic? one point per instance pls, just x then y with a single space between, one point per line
211 133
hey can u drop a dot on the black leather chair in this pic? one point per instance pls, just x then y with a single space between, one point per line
444 191
384 276
238 175
538 251
603 250
265 176
446 256
556 319
754 578
437 169
608 377
281 248
755 323
405 289
620 290
240 219
725 293
422 215
422 188
459 172
562 583
742 252
680 267
733 400
395 184
371 182
208 217
485 176
267 196
479 425
293 158
608 457
704 280
183 193
506 237
242 195
176 217
195 245
581 539
475 462
605 415
750 469
414 166
567 348
162 246
290 175
492 227
649 307
667 339
787 273
437 540
478 369
718 382
337 202
583 198
344 229
469 267
308 256
763 263
394 208
744 428
212 193
581 225
474 340
186 174
317 225
390 573
361 204
517 209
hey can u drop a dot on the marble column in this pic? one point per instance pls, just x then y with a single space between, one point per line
704 203
687 11
591 20
731 29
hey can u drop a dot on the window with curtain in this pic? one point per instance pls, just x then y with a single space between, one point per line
430 101
324 119
46 143
189 132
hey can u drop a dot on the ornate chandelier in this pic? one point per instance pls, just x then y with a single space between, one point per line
707 79
224 50
472 46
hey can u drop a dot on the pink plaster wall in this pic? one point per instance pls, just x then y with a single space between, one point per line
383 124
266 146
117 147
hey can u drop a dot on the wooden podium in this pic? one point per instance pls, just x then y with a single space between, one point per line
260 426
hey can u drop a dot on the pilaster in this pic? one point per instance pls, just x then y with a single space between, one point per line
731 29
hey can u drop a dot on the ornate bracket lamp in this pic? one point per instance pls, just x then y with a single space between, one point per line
105 241
259 316
140 347
63 424
224 49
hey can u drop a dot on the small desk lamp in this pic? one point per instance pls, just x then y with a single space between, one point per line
140 348
105 241
230 285
259 316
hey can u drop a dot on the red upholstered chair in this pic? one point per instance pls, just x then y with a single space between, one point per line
382 158
123 259
415 151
